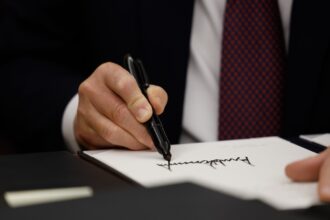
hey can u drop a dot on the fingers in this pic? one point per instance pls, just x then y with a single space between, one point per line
125 86
112 108
324 179
87 136
112 134
121 116
158 98
307 169
313 169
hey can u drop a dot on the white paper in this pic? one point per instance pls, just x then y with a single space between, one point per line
260 177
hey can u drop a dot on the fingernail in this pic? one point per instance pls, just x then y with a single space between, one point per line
142 114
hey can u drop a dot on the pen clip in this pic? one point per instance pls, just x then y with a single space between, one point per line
129 64
142 74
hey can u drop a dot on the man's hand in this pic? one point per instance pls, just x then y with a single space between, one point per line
316 168
111 109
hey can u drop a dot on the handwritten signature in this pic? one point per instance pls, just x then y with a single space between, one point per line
212 163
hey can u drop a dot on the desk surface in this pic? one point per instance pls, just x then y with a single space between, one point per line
117 198
54 169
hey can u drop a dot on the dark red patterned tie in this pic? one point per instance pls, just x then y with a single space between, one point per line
252 70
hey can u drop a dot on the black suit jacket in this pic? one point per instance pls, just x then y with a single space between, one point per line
48 47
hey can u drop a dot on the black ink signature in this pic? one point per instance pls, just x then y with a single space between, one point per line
212 163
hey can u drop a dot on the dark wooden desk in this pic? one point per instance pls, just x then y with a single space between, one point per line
117 199
53 170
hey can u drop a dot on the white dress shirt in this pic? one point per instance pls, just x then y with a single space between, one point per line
201 105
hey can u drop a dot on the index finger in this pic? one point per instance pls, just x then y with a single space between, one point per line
121 82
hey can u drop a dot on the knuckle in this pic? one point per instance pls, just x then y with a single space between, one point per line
110 69
85 88
106 67
108 132
124 83
120 113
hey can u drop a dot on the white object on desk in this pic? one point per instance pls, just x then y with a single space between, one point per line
16 199
250 169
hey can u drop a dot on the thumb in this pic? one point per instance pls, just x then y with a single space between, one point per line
307 169
158 98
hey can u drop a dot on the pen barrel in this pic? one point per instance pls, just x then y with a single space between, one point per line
158 135
154 125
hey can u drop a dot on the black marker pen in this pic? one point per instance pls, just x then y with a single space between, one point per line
153 125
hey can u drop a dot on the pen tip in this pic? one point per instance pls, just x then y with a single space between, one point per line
168 157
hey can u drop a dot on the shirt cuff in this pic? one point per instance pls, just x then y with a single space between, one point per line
68 124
